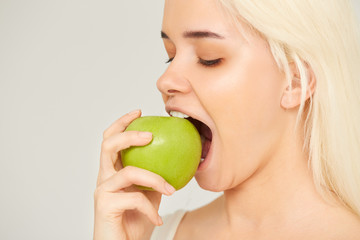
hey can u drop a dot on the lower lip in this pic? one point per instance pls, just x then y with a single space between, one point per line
206 161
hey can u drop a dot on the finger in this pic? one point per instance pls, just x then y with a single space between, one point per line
121 124
118 165
119 141
118 203
130 175
154 197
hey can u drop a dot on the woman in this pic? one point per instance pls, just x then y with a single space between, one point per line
277 83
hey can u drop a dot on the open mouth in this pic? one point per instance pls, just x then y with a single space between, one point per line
203 129
205 134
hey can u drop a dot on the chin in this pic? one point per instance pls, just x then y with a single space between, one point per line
209 183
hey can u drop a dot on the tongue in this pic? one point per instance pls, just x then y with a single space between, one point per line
205 148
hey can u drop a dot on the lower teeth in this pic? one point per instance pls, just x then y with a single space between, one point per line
202 159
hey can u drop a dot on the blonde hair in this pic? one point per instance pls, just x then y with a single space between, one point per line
322 35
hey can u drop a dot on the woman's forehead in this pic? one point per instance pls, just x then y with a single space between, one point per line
200 15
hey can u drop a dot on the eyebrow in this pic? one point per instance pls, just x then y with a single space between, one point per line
196 34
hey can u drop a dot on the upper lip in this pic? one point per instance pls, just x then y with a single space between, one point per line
175 108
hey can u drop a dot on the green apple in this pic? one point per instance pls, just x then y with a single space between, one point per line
174 152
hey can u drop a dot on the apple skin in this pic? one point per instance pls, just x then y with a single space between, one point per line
174 152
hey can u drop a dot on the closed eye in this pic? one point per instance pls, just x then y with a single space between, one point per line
206 63
210 63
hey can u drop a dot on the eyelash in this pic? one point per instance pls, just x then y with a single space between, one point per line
205 63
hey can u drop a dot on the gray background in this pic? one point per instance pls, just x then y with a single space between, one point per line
68 69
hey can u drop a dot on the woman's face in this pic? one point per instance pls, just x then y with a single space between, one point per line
230 83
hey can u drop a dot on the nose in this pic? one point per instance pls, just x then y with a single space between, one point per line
173 82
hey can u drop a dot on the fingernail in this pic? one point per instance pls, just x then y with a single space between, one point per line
134 112
170 189
160 222
146 135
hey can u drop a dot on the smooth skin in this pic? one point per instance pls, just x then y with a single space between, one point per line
257 158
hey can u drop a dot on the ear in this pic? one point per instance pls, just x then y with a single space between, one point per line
292 99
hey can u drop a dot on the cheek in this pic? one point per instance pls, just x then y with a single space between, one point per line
245 95
244 102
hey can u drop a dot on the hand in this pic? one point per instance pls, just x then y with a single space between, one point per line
122 211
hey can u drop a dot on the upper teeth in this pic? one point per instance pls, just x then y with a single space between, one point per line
178 114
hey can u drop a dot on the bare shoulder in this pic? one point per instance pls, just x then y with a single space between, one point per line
326 222
349 225
196 223
341 223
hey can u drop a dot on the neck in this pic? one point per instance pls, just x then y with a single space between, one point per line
279 192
